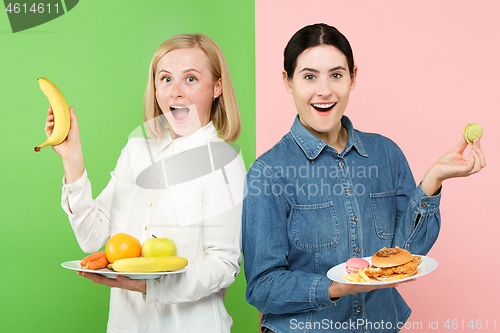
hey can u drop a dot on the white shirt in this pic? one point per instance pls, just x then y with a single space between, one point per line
202 216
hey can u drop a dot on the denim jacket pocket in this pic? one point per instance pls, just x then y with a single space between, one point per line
384 213
315 227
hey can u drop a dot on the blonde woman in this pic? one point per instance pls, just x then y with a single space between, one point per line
162 185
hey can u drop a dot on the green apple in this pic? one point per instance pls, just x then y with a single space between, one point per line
158 247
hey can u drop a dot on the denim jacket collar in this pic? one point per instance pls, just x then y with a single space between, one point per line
312 145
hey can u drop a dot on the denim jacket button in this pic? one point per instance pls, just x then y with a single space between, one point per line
357 250
358 309
355 219
348 190
424 204
341 164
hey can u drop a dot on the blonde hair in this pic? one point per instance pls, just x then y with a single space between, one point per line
224 112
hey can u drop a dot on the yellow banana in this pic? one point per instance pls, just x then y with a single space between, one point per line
61 114
149 264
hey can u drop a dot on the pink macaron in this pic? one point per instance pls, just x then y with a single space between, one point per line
354 264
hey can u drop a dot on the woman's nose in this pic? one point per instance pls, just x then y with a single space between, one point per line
323 88
176 90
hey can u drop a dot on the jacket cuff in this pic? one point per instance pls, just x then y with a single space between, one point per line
424 204
76 185
320 297
150 291
71 189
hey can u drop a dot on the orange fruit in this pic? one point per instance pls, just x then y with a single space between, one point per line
122 246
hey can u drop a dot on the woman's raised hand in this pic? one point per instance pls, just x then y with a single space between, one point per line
70 149
453 164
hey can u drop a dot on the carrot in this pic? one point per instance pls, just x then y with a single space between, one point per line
98 263
92 257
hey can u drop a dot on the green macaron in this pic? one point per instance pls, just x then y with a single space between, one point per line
472 132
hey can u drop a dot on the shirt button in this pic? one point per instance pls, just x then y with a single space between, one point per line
146 228
355 219
358 309
357 251
341 164
424 204
348 190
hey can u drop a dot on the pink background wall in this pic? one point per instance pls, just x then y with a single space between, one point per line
425 69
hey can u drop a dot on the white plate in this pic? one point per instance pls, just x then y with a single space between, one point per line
426 266
75 266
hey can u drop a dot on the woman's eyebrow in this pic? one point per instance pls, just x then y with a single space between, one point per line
338 68
307 69
192 70
185 71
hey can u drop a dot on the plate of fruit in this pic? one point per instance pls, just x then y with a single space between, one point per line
125 256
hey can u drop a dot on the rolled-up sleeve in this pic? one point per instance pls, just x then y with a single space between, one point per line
423 222
90 218
419 218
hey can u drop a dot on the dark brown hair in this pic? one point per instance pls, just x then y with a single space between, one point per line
314 35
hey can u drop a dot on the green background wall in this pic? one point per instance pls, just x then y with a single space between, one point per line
98 55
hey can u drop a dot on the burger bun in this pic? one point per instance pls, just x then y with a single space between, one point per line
391 257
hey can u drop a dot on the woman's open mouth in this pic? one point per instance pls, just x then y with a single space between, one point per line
180 113
323 107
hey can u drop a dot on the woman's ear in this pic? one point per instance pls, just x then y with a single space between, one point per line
287 81
218 88
353 77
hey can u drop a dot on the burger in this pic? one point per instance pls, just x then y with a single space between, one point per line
393 264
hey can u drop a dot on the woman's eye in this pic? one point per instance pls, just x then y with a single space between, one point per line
309 77
166 79
190 79
336 75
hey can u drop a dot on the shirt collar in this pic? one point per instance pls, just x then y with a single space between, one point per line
312 145
199 138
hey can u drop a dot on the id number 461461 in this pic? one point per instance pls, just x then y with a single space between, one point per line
35 8
472 324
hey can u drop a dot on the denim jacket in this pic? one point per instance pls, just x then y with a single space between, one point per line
309 208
